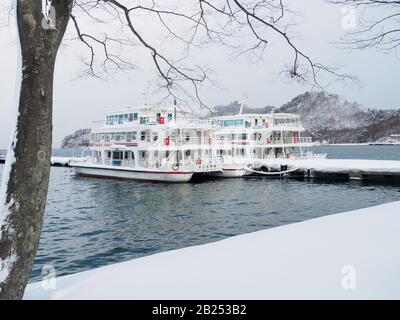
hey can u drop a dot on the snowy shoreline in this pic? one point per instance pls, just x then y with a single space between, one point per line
351 255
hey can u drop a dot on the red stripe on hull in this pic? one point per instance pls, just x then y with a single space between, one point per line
97 176
139 171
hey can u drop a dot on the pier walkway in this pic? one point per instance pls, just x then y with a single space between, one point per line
339 169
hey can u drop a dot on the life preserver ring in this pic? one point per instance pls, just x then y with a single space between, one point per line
175 167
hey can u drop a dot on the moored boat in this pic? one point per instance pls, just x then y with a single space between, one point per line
153 144
245 141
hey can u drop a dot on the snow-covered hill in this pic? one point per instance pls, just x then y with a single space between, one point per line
80 138
332 118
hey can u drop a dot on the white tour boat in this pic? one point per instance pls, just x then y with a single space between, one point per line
247 140
150 143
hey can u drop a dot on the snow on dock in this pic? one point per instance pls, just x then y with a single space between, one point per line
352 255
64 161
369 170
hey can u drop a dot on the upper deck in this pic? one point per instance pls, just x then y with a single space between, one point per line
272 121
146 116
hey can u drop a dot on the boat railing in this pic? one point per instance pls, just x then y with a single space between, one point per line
292 140
308 155
270 141
152 121
189 140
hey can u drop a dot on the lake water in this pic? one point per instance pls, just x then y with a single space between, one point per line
91 223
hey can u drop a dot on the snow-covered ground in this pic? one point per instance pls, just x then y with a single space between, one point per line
339 165
351 255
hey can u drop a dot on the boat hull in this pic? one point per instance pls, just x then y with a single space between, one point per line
131 174
230 172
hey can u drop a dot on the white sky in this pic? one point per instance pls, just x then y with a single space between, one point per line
78 102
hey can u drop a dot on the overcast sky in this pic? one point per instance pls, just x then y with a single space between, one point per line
79 101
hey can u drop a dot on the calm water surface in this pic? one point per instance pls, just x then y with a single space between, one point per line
91 223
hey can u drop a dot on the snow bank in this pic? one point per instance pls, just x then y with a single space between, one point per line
345 256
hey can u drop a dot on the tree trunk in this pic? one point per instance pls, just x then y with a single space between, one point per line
28 165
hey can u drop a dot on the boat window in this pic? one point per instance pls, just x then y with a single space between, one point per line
117 155
120 119
135 116
169 116
134 134
123 136
112 136
93 137
155 136
118 136
108 137
108 154
129 137
187 153
125 117
143 135
130 117
155 154
144 120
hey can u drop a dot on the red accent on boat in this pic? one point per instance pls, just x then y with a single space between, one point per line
97 176
296 137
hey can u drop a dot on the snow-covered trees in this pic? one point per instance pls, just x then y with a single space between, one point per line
26 174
